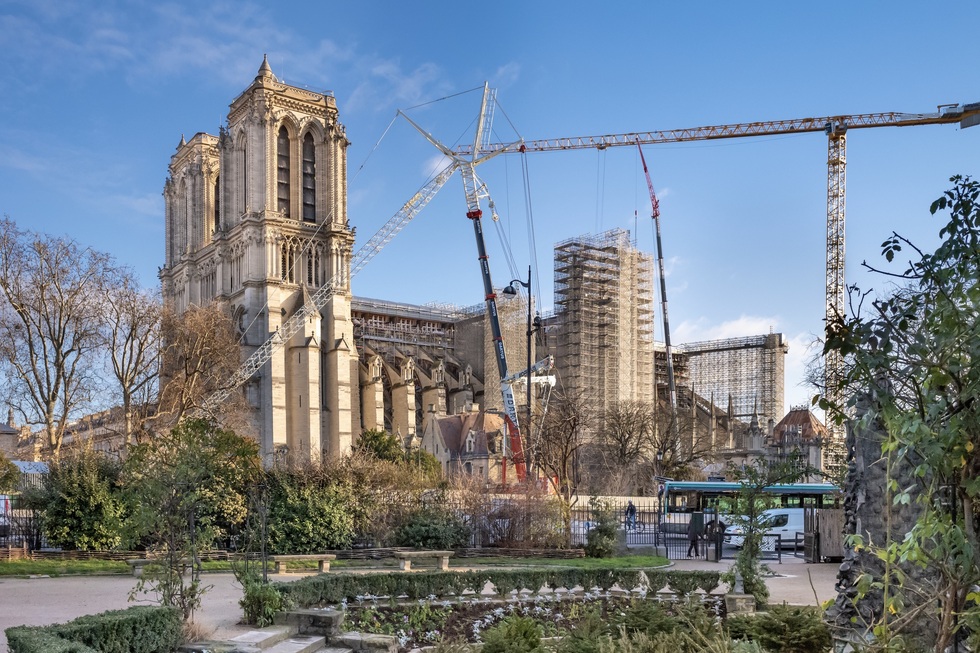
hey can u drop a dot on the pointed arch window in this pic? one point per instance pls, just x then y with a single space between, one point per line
181 221
217 204
241 175
309 178
282 168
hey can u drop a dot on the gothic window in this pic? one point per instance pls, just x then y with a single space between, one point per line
288 251
181 219
282 166
313 267
309 178
217 204
241 175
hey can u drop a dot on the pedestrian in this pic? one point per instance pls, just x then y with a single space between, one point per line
630 515
693 534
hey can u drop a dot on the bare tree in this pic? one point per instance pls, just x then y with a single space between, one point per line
131 334
49 289
562 435
629 431
200 355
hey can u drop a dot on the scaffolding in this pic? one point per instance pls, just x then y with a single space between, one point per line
749 370
605 319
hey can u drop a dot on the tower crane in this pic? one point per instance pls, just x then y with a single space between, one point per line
836 128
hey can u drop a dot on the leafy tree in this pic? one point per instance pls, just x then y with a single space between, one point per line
83 509
747 509
916 350
9 474
601 540
433 529
308 512
185 489
382 445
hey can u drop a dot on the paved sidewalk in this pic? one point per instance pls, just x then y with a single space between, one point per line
797 582
41 601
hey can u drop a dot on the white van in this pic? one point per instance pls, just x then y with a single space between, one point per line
4 516
784 522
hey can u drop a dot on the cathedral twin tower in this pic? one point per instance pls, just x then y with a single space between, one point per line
257 218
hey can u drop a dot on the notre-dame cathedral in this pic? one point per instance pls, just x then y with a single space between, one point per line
256 218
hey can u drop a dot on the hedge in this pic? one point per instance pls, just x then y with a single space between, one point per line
326 589
140 629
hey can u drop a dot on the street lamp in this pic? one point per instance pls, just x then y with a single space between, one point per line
532 326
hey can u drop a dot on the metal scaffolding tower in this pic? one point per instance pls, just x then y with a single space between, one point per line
604 305
750 370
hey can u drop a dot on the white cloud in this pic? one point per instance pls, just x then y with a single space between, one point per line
743 326
435 164
802 348
506 75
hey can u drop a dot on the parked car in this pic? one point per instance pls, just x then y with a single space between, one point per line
782 522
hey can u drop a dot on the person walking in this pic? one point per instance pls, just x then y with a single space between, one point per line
693 535
630 515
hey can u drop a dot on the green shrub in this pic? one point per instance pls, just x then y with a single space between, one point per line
585 636
784 629
260 601
82 509
326 589
513 635
307 514
38 639
646 617
431 529
140 629
601 540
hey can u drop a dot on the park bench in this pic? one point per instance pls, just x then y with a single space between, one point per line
323 560
405 558
137 564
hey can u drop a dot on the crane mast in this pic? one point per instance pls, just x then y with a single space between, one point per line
473 189
655 214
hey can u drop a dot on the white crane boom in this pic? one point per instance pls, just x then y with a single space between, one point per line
319 299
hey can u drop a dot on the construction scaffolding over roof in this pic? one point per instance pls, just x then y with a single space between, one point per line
604 305
751 370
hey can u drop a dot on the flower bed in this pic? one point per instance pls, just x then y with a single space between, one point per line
428 622
327 589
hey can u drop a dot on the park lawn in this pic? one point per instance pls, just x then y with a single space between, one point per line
108 567
62 567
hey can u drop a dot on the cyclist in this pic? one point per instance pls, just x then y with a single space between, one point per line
630 515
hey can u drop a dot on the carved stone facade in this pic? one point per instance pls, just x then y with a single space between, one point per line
256 218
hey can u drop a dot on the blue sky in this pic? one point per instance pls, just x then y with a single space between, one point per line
98 94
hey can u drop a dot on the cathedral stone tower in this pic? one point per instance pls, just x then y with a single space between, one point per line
256 218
